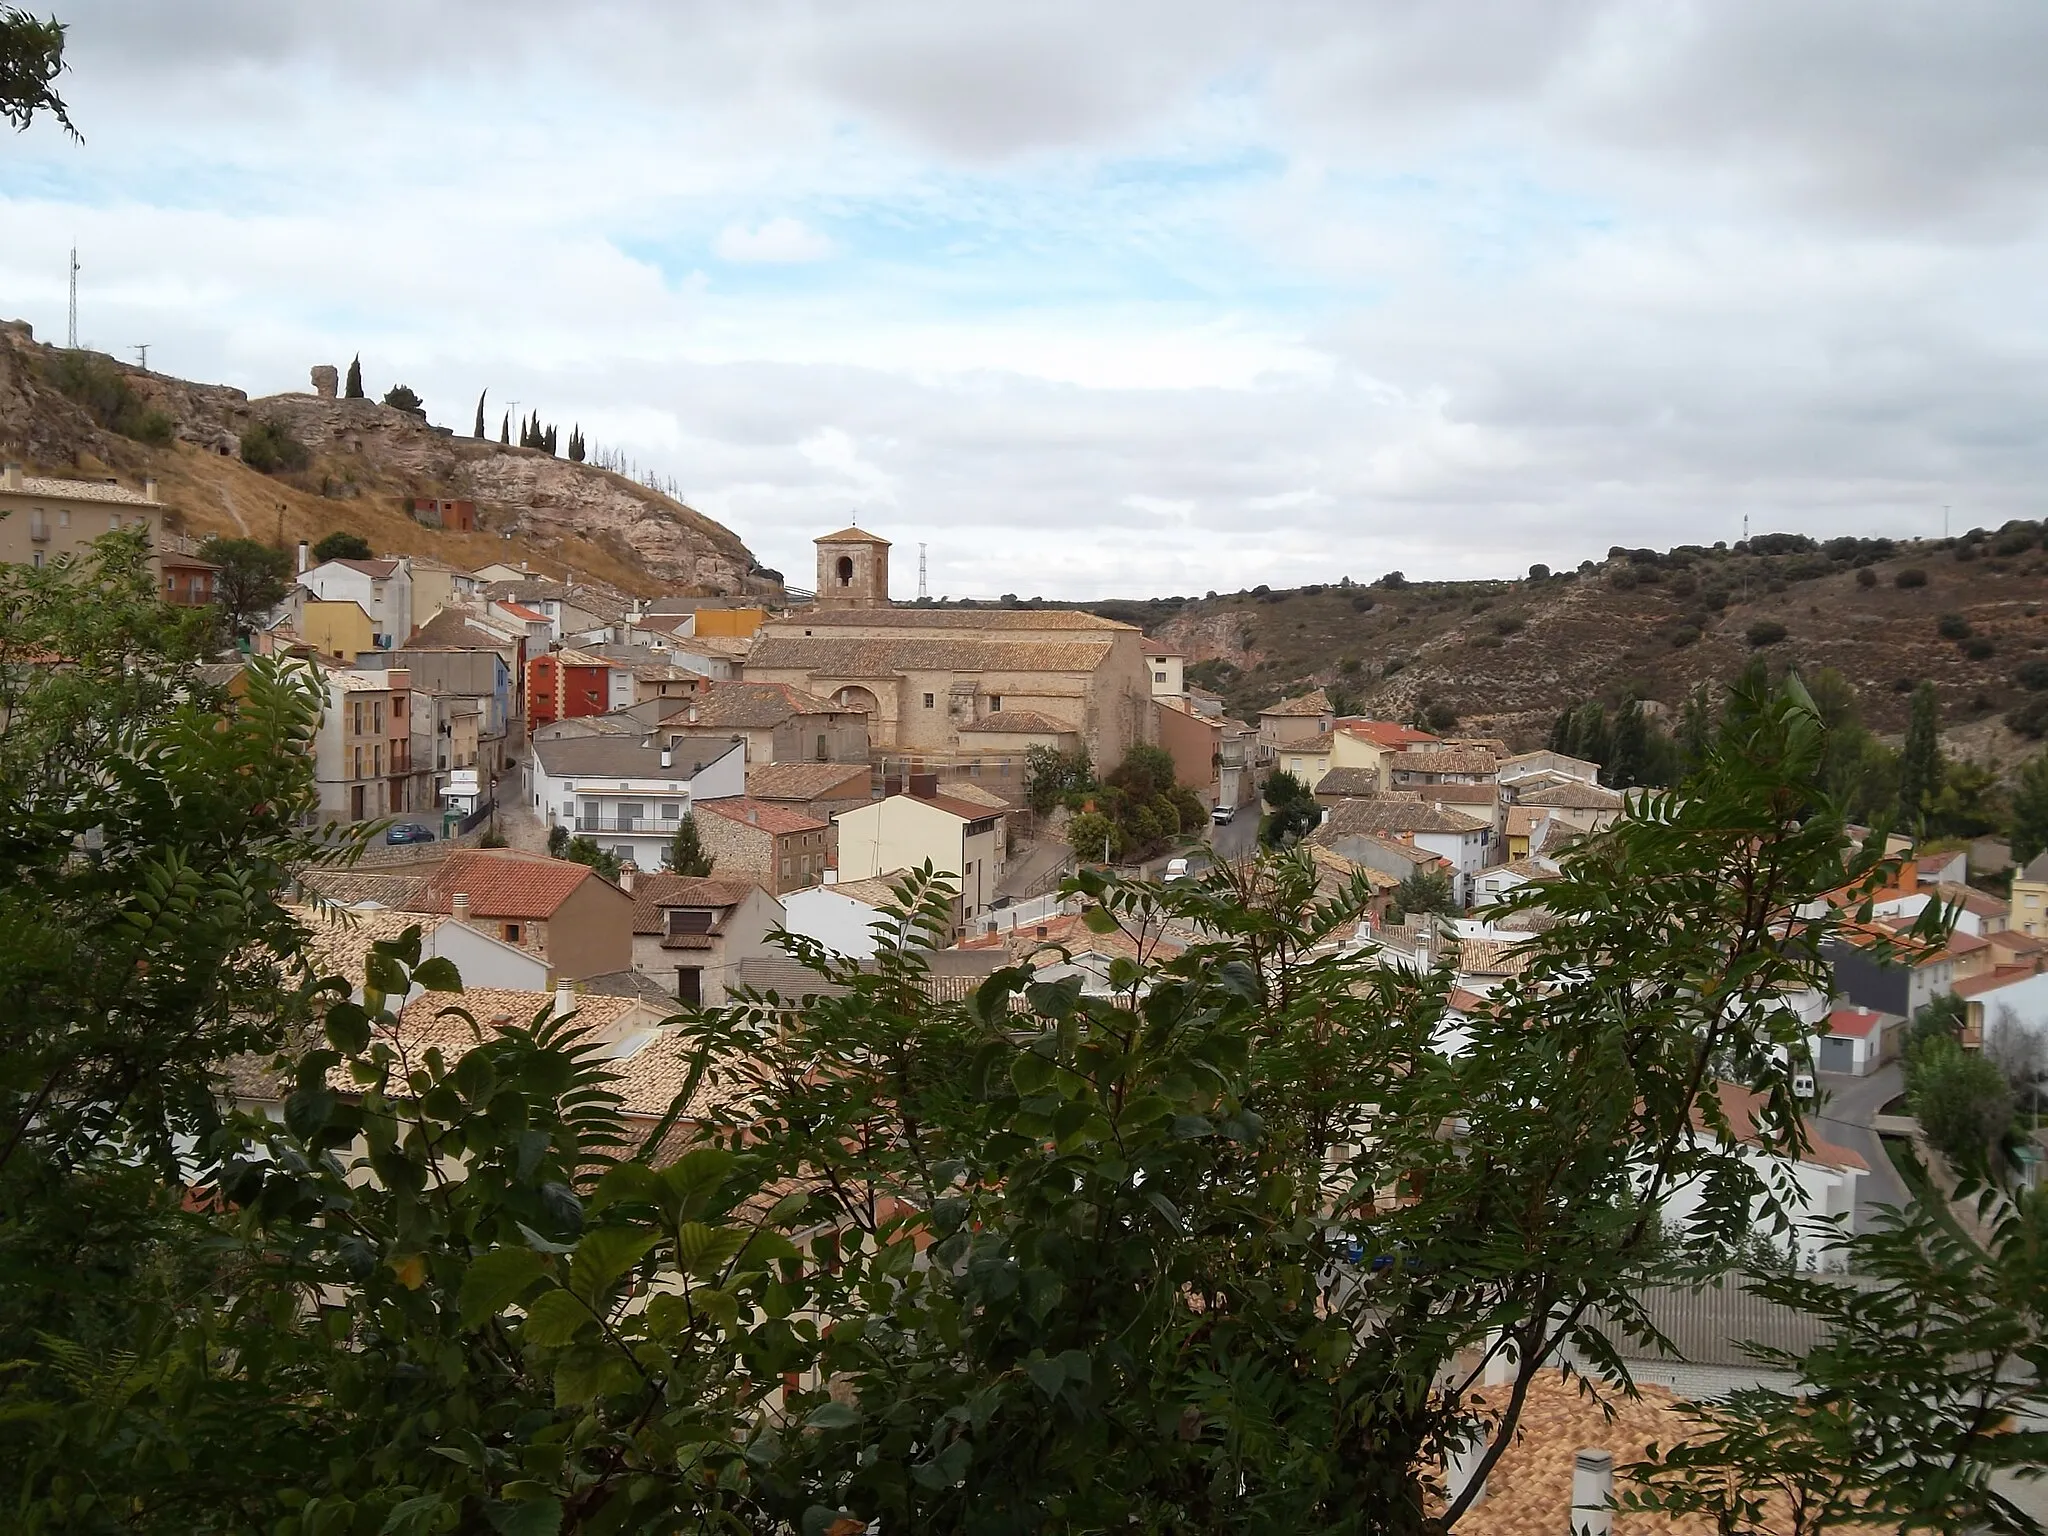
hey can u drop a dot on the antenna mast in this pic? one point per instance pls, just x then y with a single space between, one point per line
923 587
142 351
71 337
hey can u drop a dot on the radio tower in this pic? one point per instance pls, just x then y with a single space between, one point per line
71 340
923 587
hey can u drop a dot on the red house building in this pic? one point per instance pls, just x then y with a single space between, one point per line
561 685
452 514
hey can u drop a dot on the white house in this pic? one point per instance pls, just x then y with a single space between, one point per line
382 587
1824 1180
628 793
1465 843
1853 1040
1499 881
841 917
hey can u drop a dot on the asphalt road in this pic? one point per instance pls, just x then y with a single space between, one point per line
1240 837
1844 1118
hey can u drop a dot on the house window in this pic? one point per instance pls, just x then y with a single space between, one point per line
928 701
824 752
63 518
995 703
1158 677
785 869
689 984
36 559
511 933
688 920
671 812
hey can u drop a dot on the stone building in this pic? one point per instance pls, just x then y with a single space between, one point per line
953 686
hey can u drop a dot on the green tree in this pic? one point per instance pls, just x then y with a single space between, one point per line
1091 834
353 389
1427 890
558 842
269 448
342 546
102 387
254 579
1920 762
1628 747
2030 810
686 855
505 430
1969 804
576 447
1696 728
1293 814
1051 776
478 433
587 850
1962 1101
401 398
31 59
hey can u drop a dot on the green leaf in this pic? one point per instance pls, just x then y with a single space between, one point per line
604 1254
1032 1073
554 1318
533 1517
1046 1375
438 974
495 1280
833 1415
1099 920
348 1029
701 1249
386 975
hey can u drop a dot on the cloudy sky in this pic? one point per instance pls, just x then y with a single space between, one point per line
1111 296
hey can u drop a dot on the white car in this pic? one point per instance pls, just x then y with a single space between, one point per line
1176 869
1223 815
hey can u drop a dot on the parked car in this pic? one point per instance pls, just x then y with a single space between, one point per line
409 832
1223 815
1176 869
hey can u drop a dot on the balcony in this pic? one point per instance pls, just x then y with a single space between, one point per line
646 826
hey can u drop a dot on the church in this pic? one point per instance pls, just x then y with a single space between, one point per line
956 688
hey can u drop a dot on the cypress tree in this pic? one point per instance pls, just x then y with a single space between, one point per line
354 390
479 434
505 430
576 446
1920 758
549 441
686 855
1628 747
1561 732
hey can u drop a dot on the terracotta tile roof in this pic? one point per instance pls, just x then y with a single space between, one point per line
1349 781
2019 943
1972 900
1418 856
629 755
1070 619
507 885
653 892
1020 722
1446 760
726 705
1522 820
1070 932
1339 870
1306 705
1853 1023
1491 957
338 940
1528 869
80 490
352 886
1386 733
875 891
1994 981
853 536
1742 1106
886 658
629 983
521 611
1485 795
967 792
765 814
1312 747
455 629
1396 816
376 569
1571 796
808 781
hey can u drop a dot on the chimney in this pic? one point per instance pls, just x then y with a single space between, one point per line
10 477
753 816
1460 1465
924 785
668 758
305 555
1592 1488
626 873
693 714
149 487
460 904
892 784
565 997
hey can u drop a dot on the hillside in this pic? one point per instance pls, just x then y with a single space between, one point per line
58 410
1507 656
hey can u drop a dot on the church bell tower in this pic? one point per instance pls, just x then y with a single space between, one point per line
853 570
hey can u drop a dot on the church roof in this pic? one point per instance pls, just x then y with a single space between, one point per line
853 536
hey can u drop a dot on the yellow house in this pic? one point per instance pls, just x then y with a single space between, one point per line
728 623
2030 897
340 629
960 839
1372 744
1307 760
43 516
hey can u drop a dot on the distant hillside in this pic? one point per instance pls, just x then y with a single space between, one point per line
71 412
1507 656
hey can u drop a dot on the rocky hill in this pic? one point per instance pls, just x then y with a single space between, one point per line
70 412
1968 614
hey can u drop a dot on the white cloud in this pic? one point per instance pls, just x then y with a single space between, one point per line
778 240
1137 298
